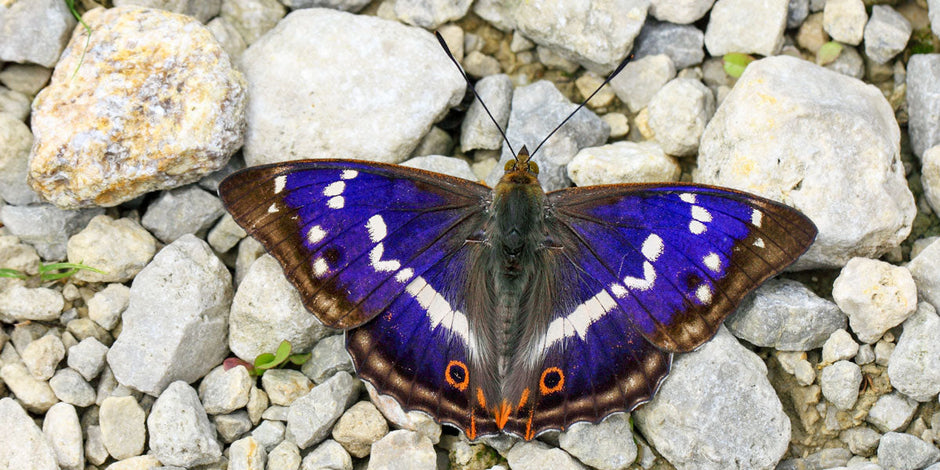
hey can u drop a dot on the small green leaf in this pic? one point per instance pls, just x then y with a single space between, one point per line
264 361
7 272
299 359
828 53
47 272
735 63
282 353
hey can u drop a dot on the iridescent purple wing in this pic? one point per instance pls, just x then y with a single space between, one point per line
365 241
352 235
644 271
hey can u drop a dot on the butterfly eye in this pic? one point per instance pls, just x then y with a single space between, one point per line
510 165
533 167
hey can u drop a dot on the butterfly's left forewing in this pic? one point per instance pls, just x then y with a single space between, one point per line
365 241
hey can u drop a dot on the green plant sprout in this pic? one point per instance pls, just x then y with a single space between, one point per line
50 272
828 53
267 361
71 5
734 63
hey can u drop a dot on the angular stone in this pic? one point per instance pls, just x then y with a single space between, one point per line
608 445
311 416
179 336
22 444
96 144
34 31
534 455
905 452
224 391
359 427
181 211
839 383
747 26
180 431
46 227
402 90
129 248
43 355
886 33
430 14
62 429
16 140
266 310
923 101
247 454
785 315
477 130
70 387
845 20
851 117
19 303
891 412
402 450
639 81
623 162
122 427
875 295
329 454
717 397
35 395
678 114
283 386
202 10
107 305
913 366
684 44
680 11
440 164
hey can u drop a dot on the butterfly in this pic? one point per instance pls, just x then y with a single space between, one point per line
508 309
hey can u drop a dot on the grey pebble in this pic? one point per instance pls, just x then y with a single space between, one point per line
180 431
311 417
180 211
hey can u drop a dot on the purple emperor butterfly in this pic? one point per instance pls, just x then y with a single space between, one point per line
509 310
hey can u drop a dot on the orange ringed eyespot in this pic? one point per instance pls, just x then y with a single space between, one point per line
457 375
553 380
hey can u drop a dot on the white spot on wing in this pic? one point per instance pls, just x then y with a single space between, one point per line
377 228
334 189
438 310
320 268
273 208
646 283
618 290
652 247
349 174
380 265
712 261
759 243
687 197
696 227
404 275
279 183
701 214
756 217
315 234
336 202
578 321
704 294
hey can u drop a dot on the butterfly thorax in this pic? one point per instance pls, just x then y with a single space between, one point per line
516 272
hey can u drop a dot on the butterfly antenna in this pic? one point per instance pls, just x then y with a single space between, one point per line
470 84
613 74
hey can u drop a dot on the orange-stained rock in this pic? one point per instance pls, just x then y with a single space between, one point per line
153 104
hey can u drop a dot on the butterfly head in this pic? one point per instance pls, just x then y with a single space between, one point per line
521 170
